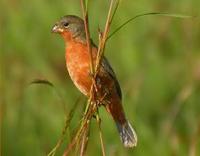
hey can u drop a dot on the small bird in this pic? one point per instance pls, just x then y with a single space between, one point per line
77 56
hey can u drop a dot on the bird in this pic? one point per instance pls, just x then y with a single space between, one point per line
72 30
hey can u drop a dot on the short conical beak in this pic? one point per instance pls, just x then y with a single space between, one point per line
57 29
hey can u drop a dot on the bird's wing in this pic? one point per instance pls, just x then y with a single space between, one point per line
107 67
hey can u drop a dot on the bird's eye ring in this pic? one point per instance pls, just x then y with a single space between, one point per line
66 24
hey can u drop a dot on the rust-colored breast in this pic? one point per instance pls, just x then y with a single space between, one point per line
78 65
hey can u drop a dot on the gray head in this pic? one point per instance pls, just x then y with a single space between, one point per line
70 26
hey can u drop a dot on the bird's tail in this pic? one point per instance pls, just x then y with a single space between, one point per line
127 134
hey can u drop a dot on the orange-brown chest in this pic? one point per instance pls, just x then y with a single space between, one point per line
78 65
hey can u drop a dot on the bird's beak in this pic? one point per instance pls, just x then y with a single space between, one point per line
57 29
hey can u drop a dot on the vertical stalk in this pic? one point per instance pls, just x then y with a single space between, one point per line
86 24
92 105
103 38
100 134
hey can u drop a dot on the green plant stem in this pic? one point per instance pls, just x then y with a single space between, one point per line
147 14
98 119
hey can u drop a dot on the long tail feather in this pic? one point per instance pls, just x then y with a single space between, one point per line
127 134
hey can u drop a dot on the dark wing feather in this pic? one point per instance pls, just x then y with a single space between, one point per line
107 67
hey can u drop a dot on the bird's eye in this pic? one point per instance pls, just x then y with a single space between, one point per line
66 24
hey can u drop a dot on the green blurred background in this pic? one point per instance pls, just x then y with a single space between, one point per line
156 59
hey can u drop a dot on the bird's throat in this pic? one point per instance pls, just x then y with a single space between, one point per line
67 36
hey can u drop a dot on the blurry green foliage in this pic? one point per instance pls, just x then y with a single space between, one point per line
157 61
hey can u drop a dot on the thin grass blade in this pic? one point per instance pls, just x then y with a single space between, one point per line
148 14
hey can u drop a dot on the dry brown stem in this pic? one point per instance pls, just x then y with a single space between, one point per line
93 104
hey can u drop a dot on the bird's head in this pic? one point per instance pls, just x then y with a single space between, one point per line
70 27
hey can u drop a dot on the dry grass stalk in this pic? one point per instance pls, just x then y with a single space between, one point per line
92 105
67 122
84 142
100 135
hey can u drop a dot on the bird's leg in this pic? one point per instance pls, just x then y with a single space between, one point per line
103 97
